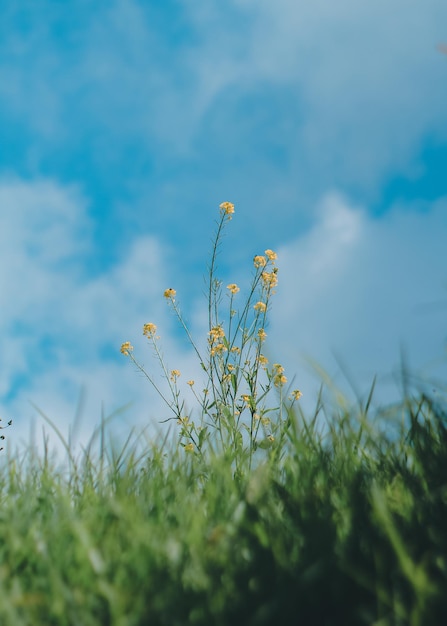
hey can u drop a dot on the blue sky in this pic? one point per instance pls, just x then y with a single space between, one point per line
124 124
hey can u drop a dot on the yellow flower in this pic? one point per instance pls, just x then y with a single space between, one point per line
270 279
272 256
216 333
236 349
259 261
265 421
278 368
262 334
219 348
174 375
230 367
296 394
126 348
189 447
260 306
149 330
263 360
190 383
170 293
233 288
227 208
279 380
246 398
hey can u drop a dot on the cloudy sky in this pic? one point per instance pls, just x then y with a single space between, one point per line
124 124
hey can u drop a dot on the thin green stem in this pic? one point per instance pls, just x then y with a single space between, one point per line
186 329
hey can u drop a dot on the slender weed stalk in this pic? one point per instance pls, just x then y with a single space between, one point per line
233 413
2 436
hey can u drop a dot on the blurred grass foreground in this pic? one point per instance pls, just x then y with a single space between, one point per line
256 515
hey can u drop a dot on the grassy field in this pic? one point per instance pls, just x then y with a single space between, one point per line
253 514
344 524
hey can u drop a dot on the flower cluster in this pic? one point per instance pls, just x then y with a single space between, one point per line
260 306
270 279
296 394
259 261
278 375
218 349
238 378
233 288
263 360
149 330
227 208
216 334
262 334
126 348
174 375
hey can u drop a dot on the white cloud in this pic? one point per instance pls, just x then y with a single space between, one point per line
60 329
361 289
366 79
359 84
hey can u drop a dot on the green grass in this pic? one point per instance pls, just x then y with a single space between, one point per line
345 523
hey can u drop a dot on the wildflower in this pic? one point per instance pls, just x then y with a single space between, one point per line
296 394
230 367
190 383
259 261
170 294
270 279
260 306
272 256
126 348
236 350
263 360
262 334
265 421
271 438
149 330
279 380
216 333
217 349
278 368
174 375
227 208
183 421
233 288
256 416
189 447
246 398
